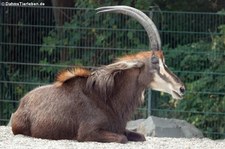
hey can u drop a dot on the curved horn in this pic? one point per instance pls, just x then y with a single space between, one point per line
143 19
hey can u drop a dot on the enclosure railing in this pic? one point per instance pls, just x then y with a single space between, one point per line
34 47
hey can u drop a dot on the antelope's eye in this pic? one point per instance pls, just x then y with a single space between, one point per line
155 60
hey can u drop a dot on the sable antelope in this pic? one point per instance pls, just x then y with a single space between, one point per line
95 106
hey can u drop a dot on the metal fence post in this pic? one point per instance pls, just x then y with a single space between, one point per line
1 53
1 16
149 92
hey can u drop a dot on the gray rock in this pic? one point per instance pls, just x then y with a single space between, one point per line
163 127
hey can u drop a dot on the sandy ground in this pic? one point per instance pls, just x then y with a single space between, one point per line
9 141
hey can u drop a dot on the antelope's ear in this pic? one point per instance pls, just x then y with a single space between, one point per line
124 65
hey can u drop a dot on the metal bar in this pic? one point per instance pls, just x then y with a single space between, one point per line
78 47
195 112
1 53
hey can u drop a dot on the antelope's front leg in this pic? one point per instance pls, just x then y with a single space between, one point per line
134 136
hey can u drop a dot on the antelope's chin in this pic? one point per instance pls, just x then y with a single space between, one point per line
176 95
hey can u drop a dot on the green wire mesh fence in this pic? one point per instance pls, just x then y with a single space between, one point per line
36 43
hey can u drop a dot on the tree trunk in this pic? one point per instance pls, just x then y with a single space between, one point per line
61 16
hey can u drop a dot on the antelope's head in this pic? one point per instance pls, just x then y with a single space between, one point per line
159 77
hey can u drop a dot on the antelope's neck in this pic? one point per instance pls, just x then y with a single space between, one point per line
127 95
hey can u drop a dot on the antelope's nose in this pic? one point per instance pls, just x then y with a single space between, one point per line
182 90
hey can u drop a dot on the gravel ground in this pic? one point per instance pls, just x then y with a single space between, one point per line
9 141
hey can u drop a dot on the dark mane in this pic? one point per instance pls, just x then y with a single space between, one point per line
103 79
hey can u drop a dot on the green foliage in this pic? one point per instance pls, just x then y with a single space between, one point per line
187 5
75 41
91 39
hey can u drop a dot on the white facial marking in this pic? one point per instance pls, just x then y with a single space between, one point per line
143 96
162 69
162 85
164 72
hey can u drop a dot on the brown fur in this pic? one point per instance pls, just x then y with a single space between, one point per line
67 74
140 55
87 106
